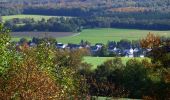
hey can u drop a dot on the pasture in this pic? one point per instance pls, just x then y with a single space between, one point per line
103 35
95 61
40 34
35 17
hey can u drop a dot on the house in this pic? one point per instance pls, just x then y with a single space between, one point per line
60 46
112 49
32 44
142 56
116 51
129 53
74 46
99 45
136 50
94 50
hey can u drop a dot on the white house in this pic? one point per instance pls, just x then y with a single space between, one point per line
61 45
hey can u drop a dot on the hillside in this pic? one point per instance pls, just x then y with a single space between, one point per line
138 14
153 5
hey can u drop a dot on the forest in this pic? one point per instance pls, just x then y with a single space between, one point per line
145 14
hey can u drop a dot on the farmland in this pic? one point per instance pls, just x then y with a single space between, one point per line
103 35
35 17
40 34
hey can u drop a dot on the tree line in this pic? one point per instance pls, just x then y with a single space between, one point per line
71 24
51 25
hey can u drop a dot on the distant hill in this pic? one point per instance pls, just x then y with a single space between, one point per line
149 14
162 6
154 5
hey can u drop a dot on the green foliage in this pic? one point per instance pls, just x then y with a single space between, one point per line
63 24
5 54
109 66
106 80
25 71
135 78
103 52
159 67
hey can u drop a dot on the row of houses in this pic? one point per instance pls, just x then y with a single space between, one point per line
95 49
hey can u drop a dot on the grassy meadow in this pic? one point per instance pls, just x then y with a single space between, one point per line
35 17
103 35
95 61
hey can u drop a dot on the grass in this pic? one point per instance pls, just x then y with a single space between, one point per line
95 61
35 17
103 35
18 38
40 34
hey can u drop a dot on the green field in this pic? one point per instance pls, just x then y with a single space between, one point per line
103 35
95 61
35 17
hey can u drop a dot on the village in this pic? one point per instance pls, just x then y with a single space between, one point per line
123 48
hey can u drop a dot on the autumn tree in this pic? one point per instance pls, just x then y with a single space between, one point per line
150 41
26 81
39 73
160 49
21 77
160 57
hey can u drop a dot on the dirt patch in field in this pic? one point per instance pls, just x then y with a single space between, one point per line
42 34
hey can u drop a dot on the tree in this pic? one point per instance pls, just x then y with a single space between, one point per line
21 76
106 80
160 49
150 41
160 56
103 52
0 19
68 65
23 40
26 81
6 55
135 78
